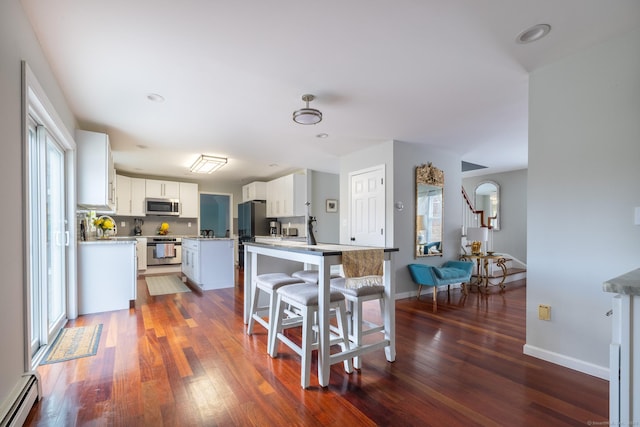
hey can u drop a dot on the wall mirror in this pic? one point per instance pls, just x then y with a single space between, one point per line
487 199
429 207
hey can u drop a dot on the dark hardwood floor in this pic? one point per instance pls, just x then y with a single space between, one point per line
185 360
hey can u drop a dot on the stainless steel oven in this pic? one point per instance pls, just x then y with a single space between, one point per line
164 251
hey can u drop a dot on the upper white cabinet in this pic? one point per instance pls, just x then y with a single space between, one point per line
188 200
287 195
254 191
130 194
162 189
96 174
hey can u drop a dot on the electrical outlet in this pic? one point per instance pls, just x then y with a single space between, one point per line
123 224
189 224
544 312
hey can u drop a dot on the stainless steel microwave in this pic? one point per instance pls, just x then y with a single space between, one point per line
162 206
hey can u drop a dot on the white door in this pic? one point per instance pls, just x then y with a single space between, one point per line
367 212
49 237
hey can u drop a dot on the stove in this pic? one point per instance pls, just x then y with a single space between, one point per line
164 250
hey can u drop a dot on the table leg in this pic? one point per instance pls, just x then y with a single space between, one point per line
390 309
323 322
250 268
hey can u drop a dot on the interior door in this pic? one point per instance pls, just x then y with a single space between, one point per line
367 207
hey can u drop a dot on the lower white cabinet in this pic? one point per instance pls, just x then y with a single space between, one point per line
106 275
208 263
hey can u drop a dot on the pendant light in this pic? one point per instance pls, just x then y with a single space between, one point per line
307 116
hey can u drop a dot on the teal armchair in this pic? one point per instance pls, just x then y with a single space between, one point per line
449 273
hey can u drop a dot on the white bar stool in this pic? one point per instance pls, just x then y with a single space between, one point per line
355 297
311 276
268 283
304 298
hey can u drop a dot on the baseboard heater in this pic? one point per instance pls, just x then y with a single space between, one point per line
20 402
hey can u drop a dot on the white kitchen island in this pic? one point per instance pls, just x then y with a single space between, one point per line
208 262
107 273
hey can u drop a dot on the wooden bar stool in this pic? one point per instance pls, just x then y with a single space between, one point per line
304 298
355 298
268 283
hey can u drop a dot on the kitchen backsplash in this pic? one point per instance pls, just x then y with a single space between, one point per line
151 225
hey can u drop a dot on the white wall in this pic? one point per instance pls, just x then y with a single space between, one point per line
406 157
584 153
512 236
17 42
325 186
400 160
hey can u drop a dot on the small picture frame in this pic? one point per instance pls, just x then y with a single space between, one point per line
332 205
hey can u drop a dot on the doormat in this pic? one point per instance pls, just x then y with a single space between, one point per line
163 285
74 343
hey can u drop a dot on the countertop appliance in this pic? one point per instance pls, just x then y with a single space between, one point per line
252 221
274 228
163 250
162 206
137 229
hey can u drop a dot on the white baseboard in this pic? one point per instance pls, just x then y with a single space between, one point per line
567 361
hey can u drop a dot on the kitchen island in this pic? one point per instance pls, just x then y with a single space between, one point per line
208 262
107 273
323 256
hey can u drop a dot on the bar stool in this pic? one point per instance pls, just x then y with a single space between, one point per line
304 298
355 298
311 276
268 283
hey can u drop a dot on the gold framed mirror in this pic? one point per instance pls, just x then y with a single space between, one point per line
487 199
429 210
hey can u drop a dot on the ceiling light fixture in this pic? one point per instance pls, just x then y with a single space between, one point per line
208 164
154 97
533 34
307 116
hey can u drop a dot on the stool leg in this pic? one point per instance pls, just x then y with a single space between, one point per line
356 318
273 299
254 308
344 345
275 327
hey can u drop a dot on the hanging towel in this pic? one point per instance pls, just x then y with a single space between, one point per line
165 250
363 267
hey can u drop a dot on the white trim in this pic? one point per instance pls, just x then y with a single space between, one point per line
567 361
36 103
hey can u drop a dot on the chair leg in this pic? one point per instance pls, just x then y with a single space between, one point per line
356 333
419 289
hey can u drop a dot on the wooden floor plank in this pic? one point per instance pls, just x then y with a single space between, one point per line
185 360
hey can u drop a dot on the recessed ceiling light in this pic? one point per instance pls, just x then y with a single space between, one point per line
533 34
154 97
142 147
322 135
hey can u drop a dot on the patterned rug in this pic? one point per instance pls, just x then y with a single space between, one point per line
162 285
74 343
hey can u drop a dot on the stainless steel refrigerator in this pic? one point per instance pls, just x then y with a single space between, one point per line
252 222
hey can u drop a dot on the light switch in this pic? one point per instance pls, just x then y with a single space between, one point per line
544 312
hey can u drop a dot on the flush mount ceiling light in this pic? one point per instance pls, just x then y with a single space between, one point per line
154 97
533 34
208 164
307 116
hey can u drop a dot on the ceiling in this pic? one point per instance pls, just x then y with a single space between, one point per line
448 74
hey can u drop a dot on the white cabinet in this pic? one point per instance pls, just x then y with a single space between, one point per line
286 196
141 253
208 263
130 194
188 200
95 172
254 191
101 287
162 189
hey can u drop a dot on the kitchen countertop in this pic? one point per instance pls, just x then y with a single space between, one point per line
321 249
207 239
112 241
626 284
